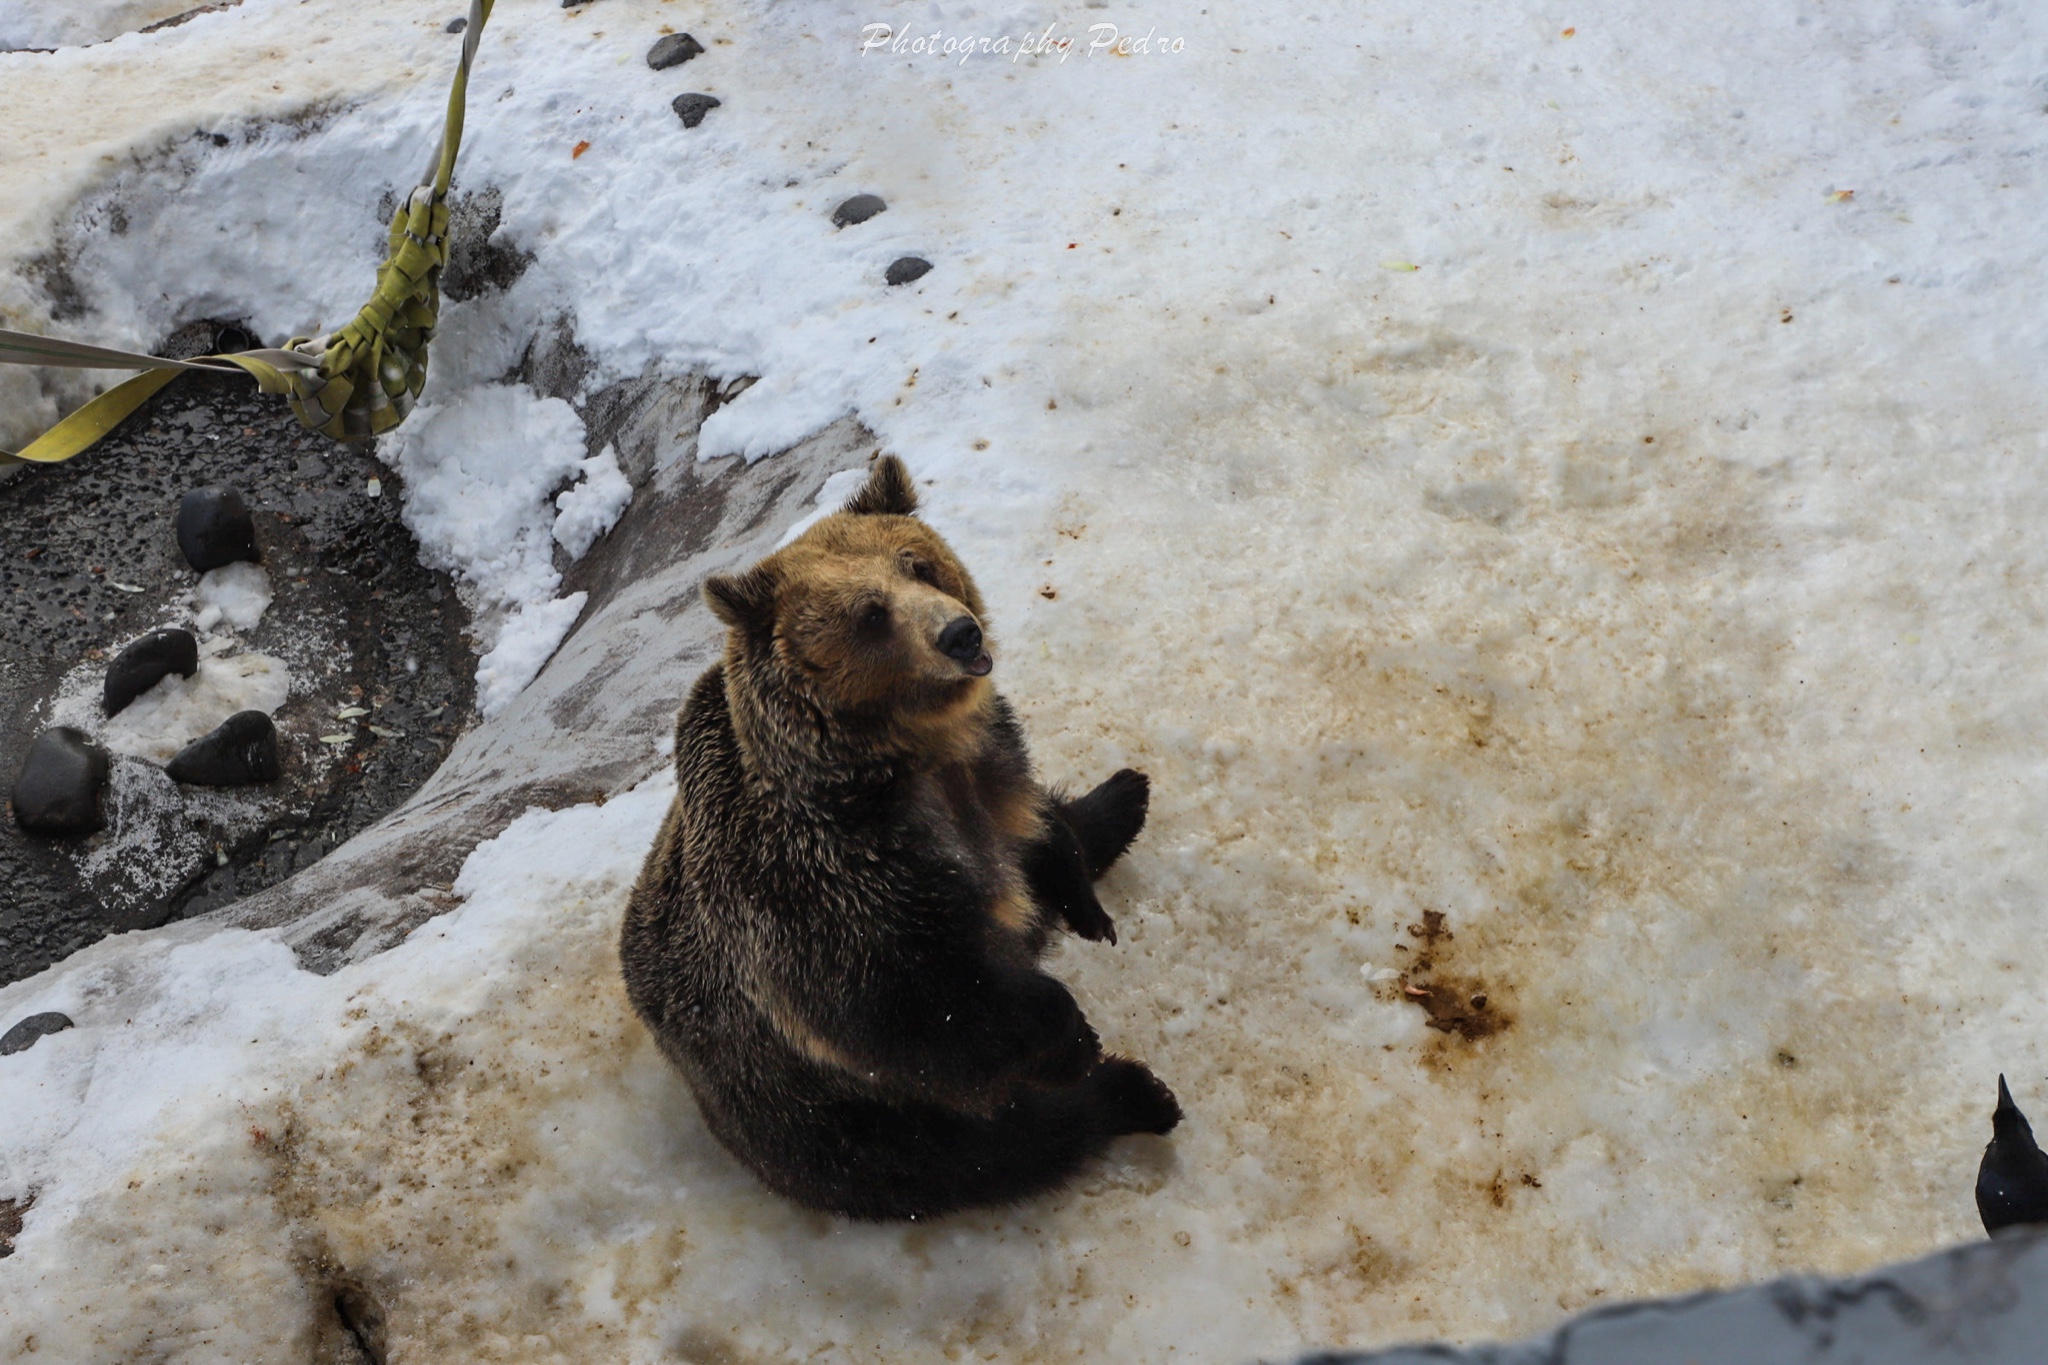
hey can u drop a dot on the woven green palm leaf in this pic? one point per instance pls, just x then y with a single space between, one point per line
372 370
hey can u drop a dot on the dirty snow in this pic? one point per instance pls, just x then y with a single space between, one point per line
30 24
594 505
1574 473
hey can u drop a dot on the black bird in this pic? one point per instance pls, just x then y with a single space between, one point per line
2012 1182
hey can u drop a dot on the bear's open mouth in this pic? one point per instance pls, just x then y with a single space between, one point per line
980 665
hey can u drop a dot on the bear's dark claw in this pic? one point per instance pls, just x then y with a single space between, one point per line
1090 921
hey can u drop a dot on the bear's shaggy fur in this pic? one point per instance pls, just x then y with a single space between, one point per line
836 936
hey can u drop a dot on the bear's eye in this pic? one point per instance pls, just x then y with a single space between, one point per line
873 617
924 573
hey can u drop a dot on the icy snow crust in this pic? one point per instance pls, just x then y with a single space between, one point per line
1650 582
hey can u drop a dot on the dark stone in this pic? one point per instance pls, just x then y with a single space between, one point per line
691 109
240 750
214 528
30 1031
147 662
457 25
906 269
673 50
61 783
231 337
858 209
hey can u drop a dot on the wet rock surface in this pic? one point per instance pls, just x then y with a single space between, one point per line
60 789
239 751
31 1031
145 662
1981 1304
89 560
215 529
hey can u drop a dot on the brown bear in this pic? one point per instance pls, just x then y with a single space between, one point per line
836 936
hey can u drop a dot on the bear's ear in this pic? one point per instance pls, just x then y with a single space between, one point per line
888 489
744 601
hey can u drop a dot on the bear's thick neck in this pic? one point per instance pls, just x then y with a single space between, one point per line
792 745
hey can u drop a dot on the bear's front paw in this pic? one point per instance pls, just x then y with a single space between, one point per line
1089 920
1133 1099
1107 819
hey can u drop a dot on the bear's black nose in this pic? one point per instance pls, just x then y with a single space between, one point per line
961 639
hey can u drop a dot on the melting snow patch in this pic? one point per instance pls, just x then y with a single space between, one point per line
478 470
235 595
526 639
593 506
179 710
24 24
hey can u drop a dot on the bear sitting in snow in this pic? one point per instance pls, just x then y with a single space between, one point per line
836 936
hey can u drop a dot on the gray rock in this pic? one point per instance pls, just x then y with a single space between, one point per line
31 1031
1981 1304
62 785
907 269
673 49
691 109
146 662
457 25
239 751
214 526
858 209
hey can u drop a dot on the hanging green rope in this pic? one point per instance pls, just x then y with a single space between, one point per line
351 384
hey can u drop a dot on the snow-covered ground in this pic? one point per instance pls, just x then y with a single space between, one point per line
1571 469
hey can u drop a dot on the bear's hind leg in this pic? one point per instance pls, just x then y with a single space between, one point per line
920 1161
1107 819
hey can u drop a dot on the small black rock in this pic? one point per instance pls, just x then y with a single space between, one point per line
905 269
147 662
240 750
30 1031
457 25
673 50
214 528
61 783
691 109
858 209
2012 1180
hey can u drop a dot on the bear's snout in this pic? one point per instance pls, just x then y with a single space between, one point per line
961 640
